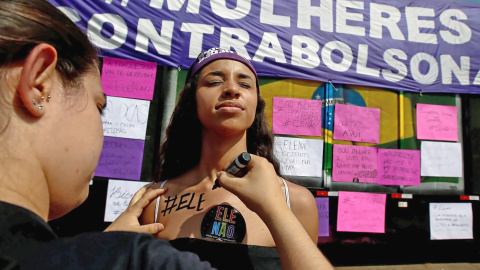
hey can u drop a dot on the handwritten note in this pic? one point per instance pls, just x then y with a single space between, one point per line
451 221
437 122
354 164
119 194
121 158
356 123
323 216
128 78
125 118
361 212
442 159
299 157
294 116
399 167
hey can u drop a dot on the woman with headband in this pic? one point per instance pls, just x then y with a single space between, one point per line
219 115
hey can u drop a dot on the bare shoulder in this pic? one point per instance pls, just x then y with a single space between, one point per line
304 207
300 197
148 213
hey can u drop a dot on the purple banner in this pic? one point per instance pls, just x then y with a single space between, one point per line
421 45
121 158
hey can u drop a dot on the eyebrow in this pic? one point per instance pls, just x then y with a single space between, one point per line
219 72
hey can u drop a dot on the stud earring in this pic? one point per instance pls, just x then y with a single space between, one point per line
40 106
34 102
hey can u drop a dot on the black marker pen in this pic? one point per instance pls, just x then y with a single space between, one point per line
235 167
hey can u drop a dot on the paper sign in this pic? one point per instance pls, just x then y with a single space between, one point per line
323 216
299 157
293 116
128 78
437 122
119 194
451 221
361 212
441 159
354 164
121 158
125 118
356 123
399 167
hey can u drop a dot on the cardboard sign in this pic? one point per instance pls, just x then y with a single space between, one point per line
354 164
119 194
293 116
361 212
356 123
399 167
128 78
299 157
437 122
121 158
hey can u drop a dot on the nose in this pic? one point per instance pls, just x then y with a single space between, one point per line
231 89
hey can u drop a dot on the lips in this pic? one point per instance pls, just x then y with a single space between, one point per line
229 104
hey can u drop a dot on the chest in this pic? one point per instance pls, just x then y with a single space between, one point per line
211 215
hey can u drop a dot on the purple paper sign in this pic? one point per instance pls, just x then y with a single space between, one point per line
437 122
361 212
354 163
356 123
399 167
128 78
121 158
293 116
323 216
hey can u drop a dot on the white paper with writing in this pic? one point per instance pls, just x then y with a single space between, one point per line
125 118
299 157
451 221
119 194
443 159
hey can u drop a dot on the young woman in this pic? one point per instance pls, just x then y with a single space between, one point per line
219 115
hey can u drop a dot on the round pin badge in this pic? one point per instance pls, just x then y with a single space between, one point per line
223 223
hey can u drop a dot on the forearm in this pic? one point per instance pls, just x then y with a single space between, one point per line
296 249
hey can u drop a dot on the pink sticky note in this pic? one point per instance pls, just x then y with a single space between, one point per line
354 163
293 116
323 216
361 212
128 78
399 167
356 123
437 122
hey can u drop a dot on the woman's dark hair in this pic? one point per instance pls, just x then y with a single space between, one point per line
26 23
183 142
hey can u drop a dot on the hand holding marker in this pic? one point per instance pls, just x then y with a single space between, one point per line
235 167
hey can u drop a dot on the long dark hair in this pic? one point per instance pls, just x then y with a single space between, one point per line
183 141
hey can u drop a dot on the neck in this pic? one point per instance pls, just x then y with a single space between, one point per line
219 151
22 181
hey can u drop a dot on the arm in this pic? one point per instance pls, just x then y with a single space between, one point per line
304 207
259 190
128 220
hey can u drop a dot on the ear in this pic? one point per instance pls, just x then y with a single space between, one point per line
37 77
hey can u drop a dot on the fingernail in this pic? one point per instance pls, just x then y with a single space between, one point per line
159 228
